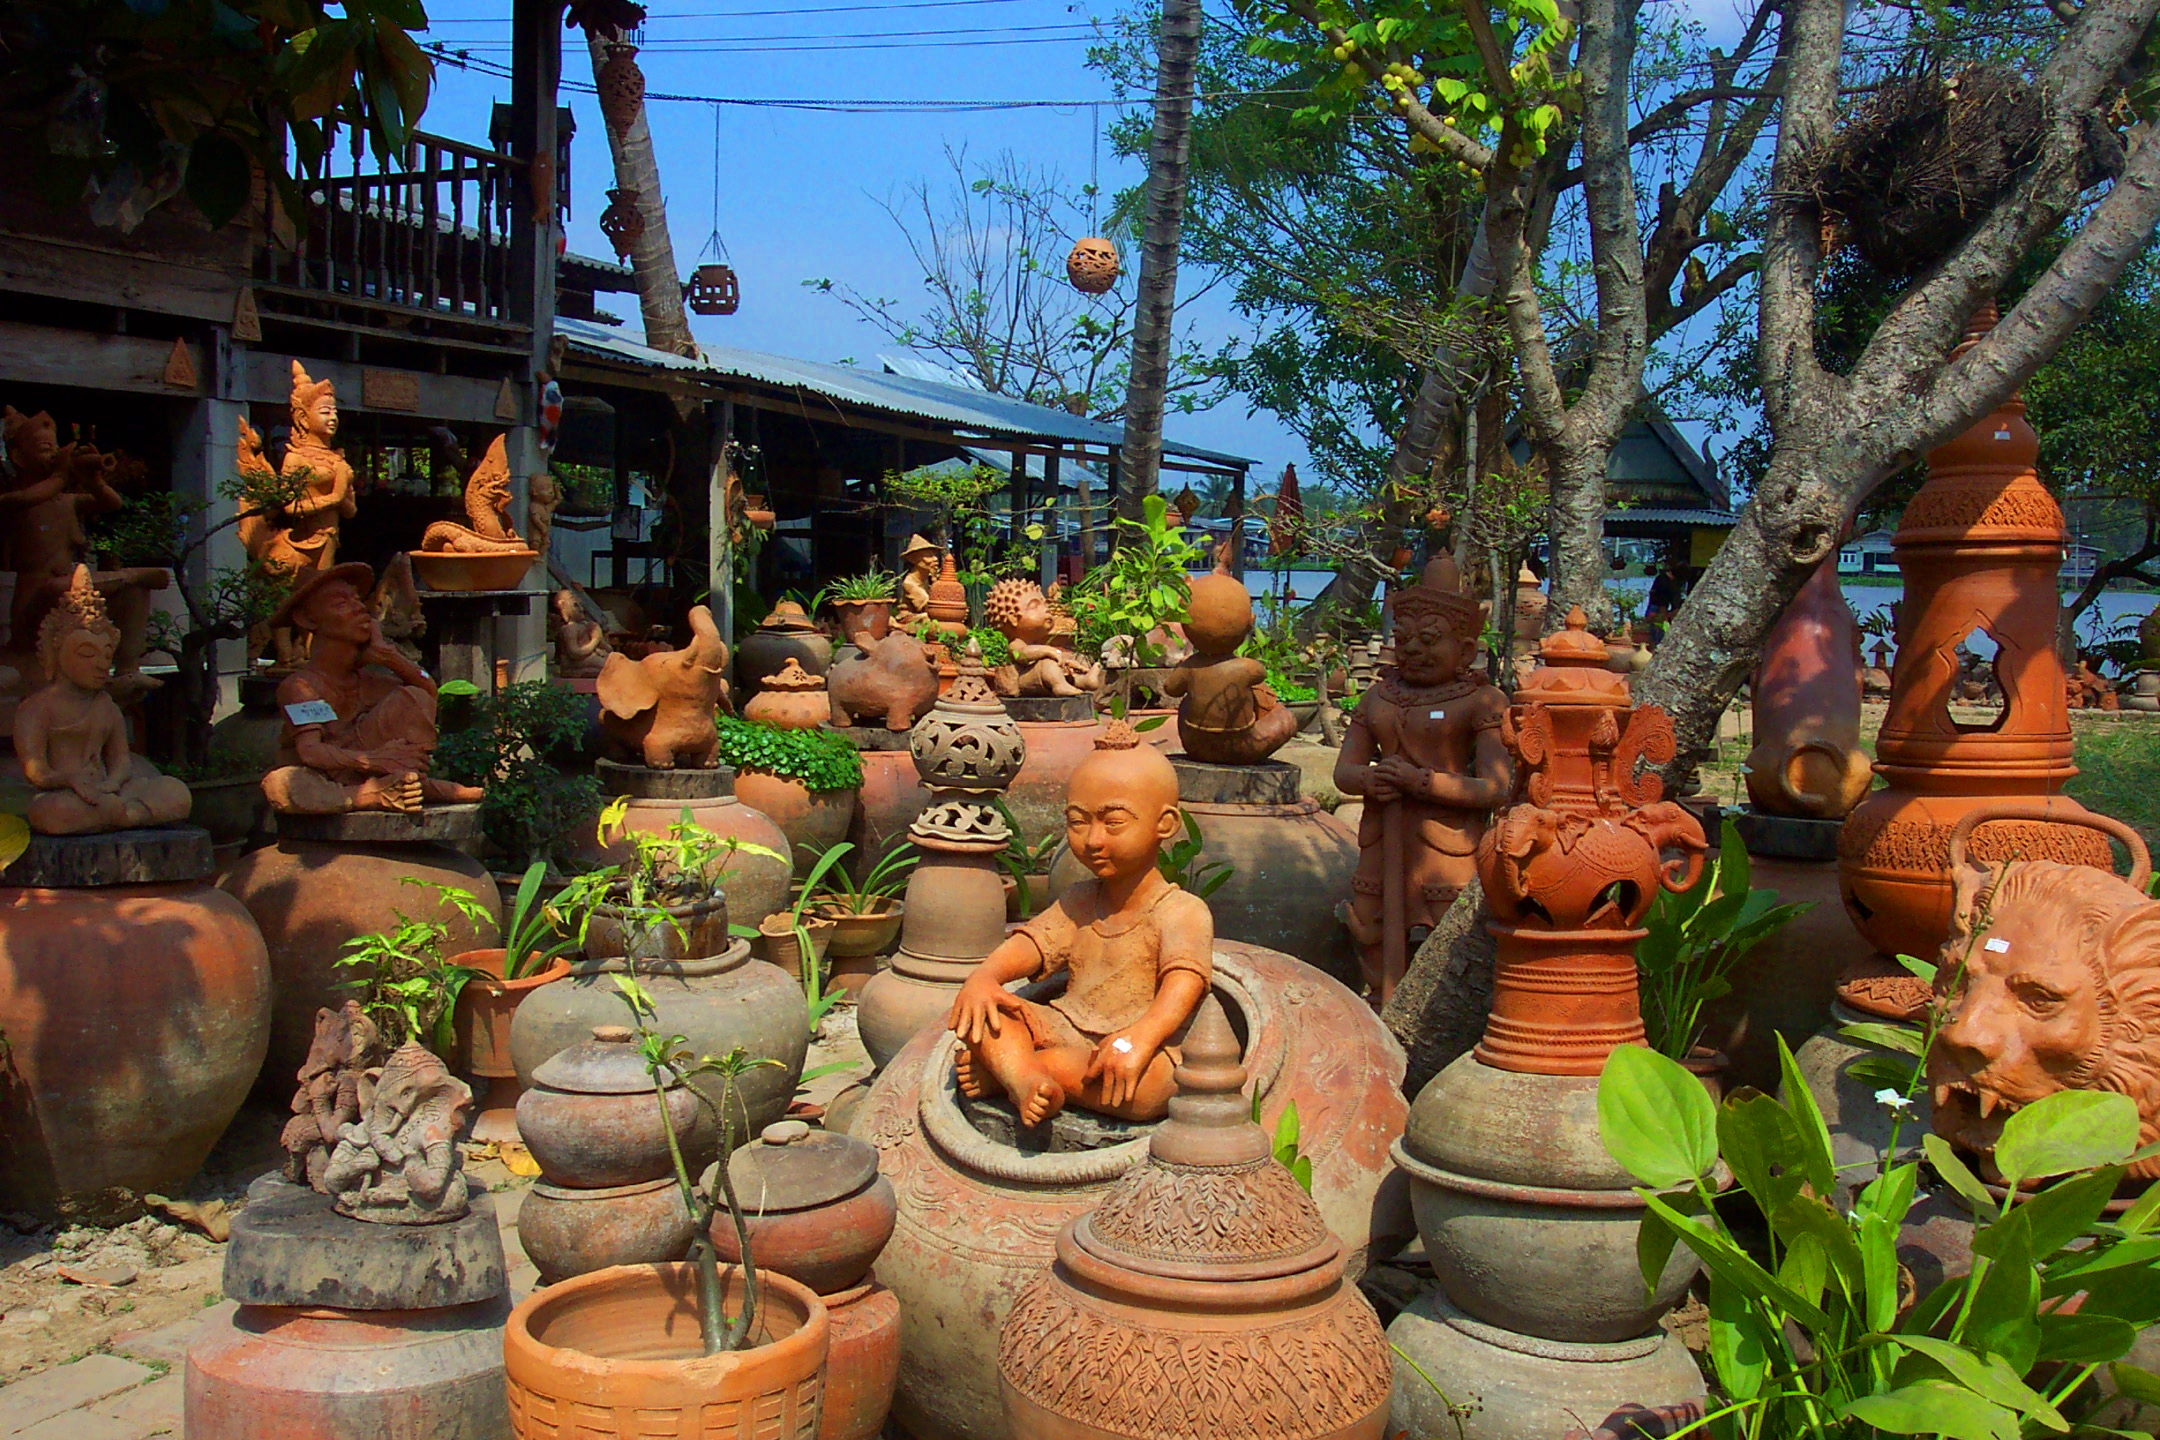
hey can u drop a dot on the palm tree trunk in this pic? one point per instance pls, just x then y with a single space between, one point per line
659 284
1177 56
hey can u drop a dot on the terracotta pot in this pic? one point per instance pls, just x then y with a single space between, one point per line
863 1363
792 699
979 1220
1055 749
716 1003
250 734
812 820
703 930
955 916
136 1019
814 1203
754 885
863 622
892 796
1807 759
567 1231
620 1350
858 934
309 897
592 1121
482 1018
785 634
779 945
460 571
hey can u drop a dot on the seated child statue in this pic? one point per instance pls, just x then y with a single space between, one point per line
1138 949
1227 715
1018 610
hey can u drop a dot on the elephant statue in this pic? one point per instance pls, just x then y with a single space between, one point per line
895 680
658 711
1571 871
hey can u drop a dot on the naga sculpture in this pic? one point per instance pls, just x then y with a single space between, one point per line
487 507
658 711
1227 715
398 1163
1018 610
347 1044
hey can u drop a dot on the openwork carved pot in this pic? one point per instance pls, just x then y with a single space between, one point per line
1093 265
622 87
968 742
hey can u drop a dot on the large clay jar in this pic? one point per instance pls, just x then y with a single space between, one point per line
892 795
715 1003
1203 1297
1980 547
309 897
135 1014
569 1231
1059 732
618 1352
1807 758
786 634
979 1219
812 820
755 885
794 699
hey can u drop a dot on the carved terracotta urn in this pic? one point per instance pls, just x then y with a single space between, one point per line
1203 1297
1980 547
1807 759
787 632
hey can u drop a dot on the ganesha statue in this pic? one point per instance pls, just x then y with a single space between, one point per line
2049 981
347 1045
398 1163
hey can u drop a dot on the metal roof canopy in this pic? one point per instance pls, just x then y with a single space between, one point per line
966 417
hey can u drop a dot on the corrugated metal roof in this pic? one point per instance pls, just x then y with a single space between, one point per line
905 396
1662 515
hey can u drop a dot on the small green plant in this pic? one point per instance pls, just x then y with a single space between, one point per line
1024 862
995 649
1697 937
1284 1143
530 937
521 745
669 1061
1181 863
1143 586
667 873
829 884
1290 692
1626 605
870 585
405 983
820 759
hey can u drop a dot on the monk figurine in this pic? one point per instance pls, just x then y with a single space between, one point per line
71 739
1424 753
398 1163
298 536
1138 951
1018 610
920 563
1227 715
359 717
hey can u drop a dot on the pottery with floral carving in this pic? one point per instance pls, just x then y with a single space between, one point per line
786 633
1227 715
1980 548
979 1218
1204 1296
1807 758
794 699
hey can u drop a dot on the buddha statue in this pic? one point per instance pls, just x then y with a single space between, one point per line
581 644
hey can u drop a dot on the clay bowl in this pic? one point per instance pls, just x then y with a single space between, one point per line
778 944
455 570
857 935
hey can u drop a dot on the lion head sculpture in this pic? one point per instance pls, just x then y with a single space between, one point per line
2059 989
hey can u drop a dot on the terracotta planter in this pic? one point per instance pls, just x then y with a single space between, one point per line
591 1119
780 945
704 931
485 1008
816 1207
863 622
863 1363
1807 759
812 820
619 1349
568 1231
754 885
455 570
859 934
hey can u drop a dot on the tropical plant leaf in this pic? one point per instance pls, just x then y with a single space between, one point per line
1655 1118
2068 1130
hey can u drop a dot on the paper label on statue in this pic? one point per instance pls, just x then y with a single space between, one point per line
1999 945
311 712
1437 715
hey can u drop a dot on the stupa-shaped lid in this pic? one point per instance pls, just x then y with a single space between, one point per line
1210 1203
1526 576
970 693
793 677
793 1167
787 615
1572 643
608 1064
948 597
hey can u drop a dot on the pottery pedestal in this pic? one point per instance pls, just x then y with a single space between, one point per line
353 1331
135 998
755 885
955 917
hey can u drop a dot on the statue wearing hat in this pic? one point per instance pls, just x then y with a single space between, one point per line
1424 752
919 566
359 716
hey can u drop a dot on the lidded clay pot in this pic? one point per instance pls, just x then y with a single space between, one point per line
816 1207
1204 1296
794 699
591 1119
787 633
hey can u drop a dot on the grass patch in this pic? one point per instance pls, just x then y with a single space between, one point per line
2119 771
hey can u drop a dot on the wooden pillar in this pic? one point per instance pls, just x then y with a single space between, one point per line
535 72
719 544
1237 522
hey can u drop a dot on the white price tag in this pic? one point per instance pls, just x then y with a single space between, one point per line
1437 715
1999 945
311 712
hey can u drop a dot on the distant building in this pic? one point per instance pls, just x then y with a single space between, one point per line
1662 490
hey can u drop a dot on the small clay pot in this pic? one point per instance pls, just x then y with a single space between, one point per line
859 933
488 1004
778 944
816 1208
567 1231
704 931
864 622
863 1365
591 1118
792 699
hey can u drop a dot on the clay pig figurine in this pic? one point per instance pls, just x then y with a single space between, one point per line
895 680
658 711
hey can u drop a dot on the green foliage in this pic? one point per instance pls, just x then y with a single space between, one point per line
1810 1338
1283 1143
1697 937
671 871
529 934
1142 586
830 881
1181 864
820 759
870 585
1291 692
521 746
996 649
409 989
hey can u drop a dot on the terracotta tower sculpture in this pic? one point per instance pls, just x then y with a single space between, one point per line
1807 758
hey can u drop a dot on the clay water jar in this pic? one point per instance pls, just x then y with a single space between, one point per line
812 820
569 1231
892 796
863 1363
619 1349
786 634
815 1205
481 1021
591 1119
704 931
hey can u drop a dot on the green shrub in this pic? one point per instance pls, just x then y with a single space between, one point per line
1289 691
818 758
522 746
996 649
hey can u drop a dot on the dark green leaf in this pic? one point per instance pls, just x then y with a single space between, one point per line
2068 1130
2000 1321
1758 1139
1934 1408
1905 1039
1957 1175
2084 1339
1816 1158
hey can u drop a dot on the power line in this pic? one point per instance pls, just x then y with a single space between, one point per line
706 44
796 11
847 43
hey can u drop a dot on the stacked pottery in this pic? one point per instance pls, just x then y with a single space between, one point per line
788 633
1203 1297
967 750
1530 1226
607 1193
818 1211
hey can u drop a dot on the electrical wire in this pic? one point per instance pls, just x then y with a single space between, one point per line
794 12
706 44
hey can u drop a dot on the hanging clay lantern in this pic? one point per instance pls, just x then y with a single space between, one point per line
1092 266
621 85
713 290
623 222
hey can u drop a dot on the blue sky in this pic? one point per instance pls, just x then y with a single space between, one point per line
799 191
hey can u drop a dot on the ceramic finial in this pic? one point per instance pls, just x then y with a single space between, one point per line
1210 1119
1118 735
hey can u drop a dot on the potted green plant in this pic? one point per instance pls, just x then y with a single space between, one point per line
794 939
406 985
534 952
866 913
863 606
1125 607
1696 938
523 745
805 781
691 1347
1027 868
665 902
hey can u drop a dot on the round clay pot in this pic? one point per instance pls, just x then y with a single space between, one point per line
785 634
620 1349
892 795
268 1372
1055 749
136 1018
815 1206
1859 1124
863 1363
715 1003
703 931
978 1220
755 886
863 622
858 934
813 820
591 1119
792 699
460 571
309 897
568 1231
779 945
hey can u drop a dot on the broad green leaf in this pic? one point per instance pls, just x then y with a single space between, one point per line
2000 1321
1958 1176
1933 1408
1286 1129
1654 1239
1817 1161
2084 1339
1902 1038
1805 1269
2054 1217
1986 1376
1732 865
14 839
1812 1215
1878 1216
1884 1071
457 687
2139 1384
2068 1130
2135 1221
1737 1346
1758 1140
1721 1256
1914 965
1655 1118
